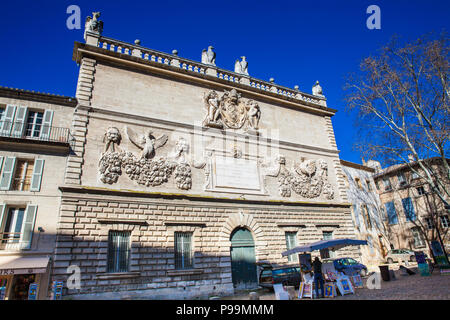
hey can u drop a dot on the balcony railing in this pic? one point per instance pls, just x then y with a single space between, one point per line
37 132
200 68
9 240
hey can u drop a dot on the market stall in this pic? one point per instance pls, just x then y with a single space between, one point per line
334 281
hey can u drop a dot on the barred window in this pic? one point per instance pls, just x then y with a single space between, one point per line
429 223
118 251
183 250
291 242
417 236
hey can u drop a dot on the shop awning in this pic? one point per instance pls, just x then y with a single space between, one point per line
333 244
11 265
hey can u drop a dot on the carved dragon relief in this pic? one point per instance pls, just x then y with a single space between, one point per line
310 178
145 169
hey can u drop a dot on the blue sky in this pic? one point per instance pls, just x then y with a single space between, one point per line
295 42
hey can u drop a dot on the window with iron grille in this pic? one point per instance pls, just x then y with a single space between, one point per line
420 191
417 236
401 179
328 235
387 184
369 186
291 242
118 251
183 250
429 223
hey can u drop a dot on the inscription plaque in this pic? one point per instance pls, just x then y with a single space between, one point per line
237 173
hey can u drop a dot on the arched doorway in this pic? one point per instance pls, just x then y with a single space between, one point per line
243 267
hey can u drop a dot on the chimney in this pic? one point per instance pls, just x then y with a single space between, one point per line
374 165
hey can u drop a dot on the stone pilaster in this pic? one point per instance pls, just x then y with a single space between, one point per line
330 133
80 121
336 163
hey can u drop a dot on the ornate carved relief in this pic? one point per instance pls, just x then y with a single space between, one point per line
231 111
310 178
143 169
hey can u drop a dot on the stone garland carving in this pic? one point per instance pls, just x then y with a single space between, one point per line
144 169
310 179
231 111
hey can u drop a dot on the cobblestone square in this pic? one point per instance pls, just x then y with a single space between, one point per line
412 287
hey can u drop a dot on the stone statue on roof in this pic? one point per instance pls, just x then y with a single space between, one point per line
209 56
241 66
93 24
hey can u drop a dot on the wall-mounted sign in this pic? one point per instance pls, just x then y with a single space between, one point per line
7 272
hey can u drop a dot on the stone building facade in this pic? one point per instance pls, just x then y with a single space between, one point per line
35 142
413 212
182 175
367 213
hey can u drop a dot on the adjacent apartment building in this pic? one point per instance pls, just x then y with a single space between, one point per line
34 146
367 212
413 212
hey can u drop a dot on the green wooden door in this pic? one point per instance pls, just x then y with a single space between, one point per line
243 259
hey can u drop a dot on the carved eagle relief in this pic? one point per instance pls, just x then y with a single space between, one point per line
146 142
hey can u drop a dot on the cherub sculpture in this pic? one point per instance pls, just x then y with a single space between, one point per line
211 100
146 142
253 113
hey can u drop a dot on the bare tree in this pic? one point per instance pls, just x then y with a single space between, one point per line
401 97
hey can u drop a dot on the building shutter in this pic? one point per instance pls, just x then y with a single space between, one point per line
37 175
7 173
20 122
47 125
1 164
409 209
392 215
7 121
27 227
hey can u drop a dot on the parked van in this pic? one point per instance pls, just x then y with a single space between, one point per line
287 275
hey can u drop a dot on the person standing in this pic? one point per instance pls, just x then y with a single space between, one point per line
318 277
